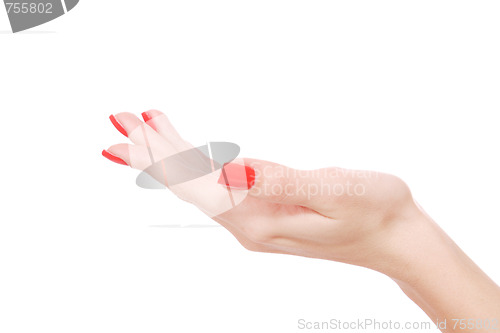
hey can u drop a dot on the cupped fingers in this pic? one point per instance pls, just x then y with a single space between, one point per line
161 124
137 157
142 134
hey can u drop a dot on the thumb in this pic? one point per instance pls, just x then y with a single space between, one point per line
272 182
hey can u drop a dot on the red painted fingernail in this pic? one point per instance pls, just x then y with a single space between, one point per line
113 158
146 116
118 126
238 177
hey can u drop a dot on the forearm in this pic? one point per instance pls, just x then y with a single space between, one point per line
440 278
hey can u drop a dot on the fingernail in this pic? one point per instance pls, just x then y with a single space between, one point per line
113 158
238 177
146 116
118 126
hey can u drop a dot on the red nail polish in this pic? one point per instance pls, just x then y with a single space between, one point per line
238 177
146 116
118 126
113 158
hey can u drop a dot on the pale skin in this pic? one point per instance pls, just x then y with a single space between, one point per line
362 218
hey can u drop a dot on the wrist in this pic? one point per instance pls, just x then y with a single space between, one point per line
409 243
421 249
437 275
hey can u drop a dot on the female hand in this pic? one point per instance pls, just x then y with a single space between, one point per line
358 217
337 214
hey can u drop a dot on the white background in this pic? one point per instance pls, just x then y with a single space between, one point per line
411 88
